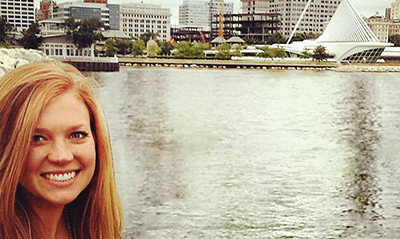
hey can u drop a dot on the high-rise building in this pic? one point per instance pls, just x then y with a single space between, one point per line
19 13
380 26
46 9
139 18
395 10
82 10
314 20
198 13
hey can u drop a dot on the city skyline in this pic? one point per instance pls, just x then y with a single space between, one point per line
366 8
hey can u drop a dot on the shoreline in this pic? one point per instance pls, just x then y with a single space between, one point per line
264 64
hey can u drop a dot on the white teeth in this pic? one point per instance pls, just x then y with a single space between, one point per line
60 177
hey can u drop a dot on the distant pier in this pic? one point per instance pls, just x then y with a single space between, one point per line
106 64
95 66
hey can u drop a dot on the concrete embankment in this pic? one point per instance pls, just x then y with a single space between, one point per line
369 68
284 64
223 64
12 58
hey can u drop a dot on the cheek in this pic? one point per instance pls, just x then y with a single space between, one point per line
88 155
34 160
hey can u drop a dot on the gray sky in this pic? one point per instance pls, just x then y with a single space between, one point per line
364 7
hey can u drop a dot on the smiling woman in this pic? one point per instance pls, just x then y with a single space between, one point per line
56 169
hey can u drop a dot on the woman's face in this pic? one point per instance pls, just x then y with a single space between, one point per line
62 154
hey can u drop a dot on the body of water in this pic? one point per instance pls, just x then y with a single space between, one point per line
207 153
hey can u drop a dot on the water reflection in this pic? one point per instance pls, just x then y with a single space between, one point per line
359 130
157 157
254 154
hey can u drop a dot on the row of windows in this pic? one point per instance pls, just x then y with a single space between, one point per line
10 17
18 9
143 21
17 4
291 29
138 35
144 16
142 30
142 26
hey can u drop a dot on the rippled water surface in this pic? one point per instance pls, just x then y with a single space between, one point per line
206 153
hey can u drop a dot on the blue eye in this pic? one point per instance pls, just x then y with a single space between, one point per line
37 138
78 135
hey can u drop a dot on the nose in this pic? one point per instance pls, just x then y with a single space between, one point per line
60 152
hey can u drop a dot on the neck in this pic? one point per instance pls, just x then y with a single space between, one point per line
49 219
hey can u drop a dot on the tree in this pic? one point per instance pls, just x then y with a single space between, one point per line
186 50
31 38
5 28
237 51
320 54
124 46
395 39
110 48
267 53
152 50
138 47
223 51
165 48
197 50
85 32
145 37
279 52
305 54
277 37
304 36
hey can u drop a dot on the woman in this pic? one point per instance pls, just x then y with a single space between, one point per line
56 169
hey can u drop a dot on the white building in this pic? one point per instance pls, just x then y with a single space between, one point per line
139 18
258 6
395 10
19 13
394 28
380 27
347 36
198 13
318 13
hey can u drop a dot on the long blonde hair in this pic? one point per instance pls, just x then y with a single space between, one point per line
96 213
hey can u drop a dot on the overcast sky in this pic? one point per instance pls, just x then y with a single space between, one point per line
364 7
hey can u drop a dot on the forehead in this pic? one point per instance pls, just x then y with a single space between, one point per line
67 108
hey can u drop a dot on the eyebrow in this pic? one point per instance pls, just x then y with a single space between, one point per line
73 128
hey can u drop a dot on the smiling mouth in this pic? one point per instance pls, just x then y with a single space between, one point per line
61 176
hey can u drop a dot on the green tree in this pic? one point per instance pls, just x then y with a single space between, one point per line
138 47
165 48
186 50
267 52
31 38
223 51
85 32
277 37
304 36
152 50
197 50
145 37
395 39
110 47
305 54
237 51
279 52
124 46
5 29
320 54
